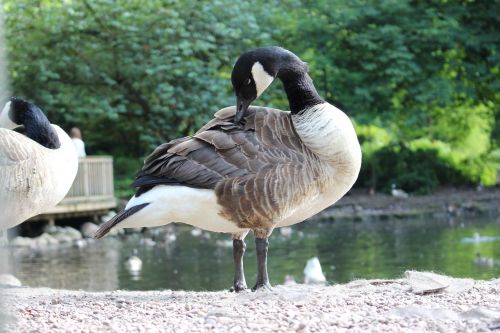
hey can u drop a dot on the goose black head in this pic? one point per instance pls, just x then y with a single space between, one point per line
255 70
18 112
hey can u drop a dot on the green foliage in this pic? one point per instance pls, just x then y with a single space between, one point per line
415 70
421 79
132 72
415 171
125 168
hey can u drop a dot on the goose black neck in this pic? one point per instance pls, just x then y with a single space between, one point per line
37 128
300 90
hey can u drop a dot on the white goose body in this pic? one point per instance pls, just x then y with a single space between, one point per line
33 178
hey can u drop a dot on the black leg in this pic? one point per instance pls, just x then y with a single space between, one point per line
239 275
262 245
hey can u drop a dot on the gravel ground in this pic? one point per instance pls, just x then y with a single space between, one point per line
416 303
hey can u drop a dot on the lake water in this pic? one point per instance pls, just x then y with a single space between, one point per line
346 249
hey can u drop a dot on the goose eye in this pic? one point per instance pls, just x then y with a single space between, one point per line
248 81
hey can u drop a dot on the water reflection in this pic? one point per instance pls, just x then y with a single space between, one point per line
182 259
92 267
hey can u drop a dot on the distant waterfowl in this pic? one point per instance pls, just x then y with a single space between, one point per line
148 242
398 193
483 261
195 232
286 232
289 280
313 273
224 243
36 168
133 263
170 238
250 168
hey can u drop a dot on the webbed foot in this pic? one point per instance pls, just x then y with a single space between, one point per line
239 286
262 286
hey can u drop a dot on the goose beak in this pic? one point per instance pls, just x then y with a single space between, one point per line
241 107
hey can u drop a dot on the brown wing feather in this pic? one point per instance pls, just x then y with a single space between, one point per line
251 167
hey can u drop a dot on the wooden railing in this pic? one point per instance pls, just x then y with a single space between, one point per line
92 192
94 180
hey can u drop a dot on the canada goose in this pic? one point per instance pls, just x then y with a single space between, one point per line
251 168
36 169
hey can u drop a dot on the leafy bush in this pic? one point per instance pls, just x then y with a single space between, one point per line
421 79
422 165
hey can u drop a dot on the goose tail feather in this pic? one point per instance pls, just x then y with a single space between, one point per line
107 226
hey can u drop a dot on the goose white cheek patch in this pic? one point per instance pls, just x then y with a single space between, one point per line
261 77
5 121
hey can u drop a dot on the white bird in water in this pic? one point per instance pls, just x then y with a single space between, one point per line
224 243
398 193
148 242
289 280
195 232
170 238
133 263
313 273
286 232
483 261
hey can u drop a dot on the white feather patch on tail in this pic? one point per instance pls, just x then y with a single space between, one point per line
169 204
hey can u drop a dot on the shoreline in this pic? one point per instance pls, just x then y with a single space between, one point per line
419 301
450 202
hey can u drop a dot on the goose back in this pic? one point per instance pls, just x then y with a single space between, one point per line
260 171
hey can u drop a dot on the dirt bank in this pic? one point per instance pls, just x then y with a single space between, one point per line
359 204
418 302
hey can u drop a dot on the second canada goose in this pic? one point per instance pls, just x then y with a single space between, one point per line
36 168
250 168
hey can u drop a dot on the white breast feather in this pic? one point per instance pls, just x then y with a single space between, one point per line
329 133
